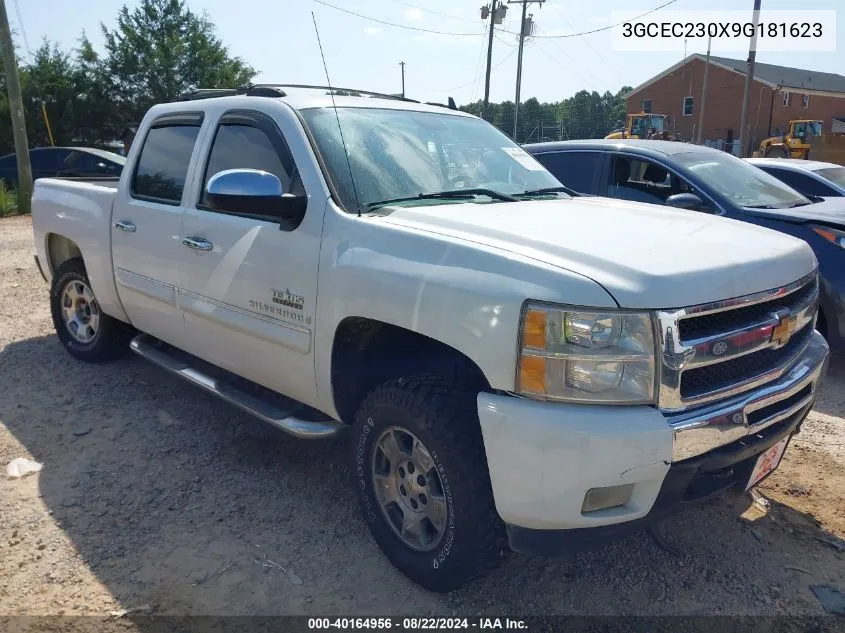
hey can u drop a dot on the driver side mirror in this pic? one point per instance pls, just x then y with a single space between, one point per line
253 192
685 201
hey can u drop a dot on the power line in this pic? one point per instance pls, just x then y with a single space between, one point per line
587 41
567 68
478 66
23 30
474 79
549 37
399 26
604 28
453 17
502 40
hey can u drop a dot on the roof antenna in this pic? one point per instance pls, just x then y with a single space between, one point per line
334 107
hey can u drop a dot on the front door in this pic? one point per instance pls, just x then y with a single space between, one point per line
248 284
146 221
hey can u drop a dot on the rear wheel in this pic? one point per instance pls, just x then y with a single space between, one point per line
83 328
777 151
423 483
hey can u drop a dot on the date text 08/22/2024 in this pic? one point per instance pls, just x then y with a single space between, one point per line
416 624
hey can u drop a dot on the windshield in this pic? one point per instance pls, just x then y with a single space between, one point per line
403 153
833 174
740 182
648 124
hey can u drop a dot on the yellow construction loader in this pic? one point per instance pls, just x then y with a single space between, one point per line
794 143
643 125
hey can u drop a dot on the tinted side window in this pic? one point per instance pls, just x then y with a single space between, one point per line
641 180
239 146
163 163
47 159
577 170
802 183
87 163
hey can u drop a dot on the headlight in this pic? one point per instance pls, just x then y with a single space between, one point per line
578 356
831 235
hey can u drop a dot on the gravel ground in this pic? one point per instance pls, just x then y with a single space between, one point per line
153 493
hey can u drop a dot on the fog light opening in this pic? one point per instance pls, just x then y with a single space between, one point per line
606 498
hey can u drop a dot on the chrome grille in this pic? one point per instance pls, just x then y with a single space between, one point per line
722 349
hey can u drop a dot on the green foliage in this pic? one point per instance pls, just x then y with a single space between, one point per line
583 115
8 201
157 50
161 49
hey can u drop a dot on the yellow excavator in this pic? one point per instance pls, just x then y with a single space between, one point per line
794 143
644 125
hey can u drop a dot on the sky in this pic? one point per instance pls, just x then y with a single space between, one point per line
277 38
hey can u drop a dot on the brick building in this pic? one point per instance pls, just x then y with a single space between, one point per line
777 95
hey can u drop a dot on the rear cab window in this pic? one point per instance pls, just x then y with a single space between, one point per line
162 165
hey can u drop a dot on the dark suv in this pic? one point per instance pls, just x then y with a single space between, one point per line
707 180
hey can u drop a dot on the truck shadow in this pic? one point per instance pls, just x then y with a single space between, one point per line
831 395
176 500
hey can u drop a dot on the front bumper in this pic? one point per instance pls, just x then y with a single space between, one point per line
544 457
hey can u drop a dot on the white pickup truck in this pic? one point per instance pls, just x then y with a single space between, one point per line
516 366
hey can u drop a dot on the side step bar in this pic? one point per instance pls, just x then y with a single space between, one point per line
190 368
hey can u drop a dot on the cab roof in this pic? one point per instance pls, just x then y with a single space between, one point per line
301 97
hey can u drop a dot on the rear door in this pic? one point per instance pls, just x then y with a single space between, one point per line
248 283
146 220
581 171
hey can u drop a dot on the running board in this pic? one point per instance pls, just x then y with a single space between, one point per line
280 414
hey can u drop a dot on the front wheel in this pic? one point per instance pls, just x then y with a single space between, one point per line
423 483
83 328
777 151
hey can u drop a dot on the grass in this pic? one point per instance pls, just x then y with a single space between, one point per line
8 200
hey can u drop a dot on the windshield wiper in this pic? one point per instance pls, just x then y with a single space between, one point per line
545 190
454 194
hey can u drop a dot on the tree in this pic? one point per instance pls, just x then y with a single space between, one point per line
161 49
583 115
49 84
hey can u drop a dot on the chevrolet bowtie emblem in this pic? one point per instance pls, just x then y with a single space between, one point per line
783 331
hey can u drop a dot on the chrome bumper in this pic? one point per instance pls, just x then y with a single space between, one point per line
705 428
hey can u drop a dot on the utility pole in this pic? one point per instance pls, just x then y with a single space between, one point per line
402 64
493 9
703 94
749 77
522 34
10 65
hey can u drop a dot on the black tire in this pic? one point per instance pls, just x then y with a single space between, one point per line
777 151
111 340
444 418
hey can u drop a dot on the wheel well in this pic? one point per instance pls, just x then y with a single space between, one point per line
60 249
366 353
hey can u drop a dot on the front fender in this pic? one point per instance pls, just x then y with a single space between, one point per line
462 294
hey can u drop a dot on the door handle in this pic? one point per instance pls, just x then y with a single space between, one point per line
197 243
125 225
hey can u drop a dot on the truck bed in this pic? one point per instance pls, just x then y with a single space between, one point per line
79 211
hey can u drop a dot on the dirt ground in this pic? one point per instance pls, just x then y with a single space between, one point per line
155 494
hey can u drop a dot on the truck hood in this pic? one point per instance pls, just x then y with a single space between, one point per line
829 211
645 256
